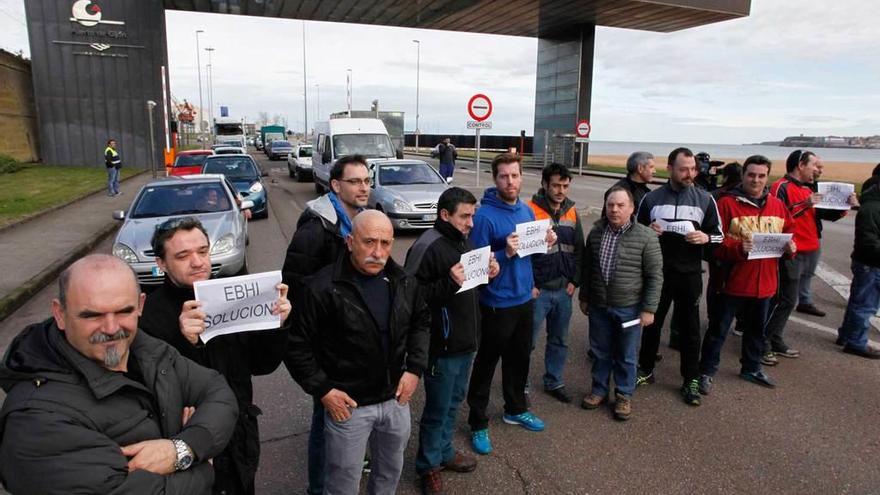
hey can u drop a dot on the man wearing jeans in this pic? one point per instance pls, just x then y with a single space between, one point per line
864 294
556 273
455 326
621 281
746 286
359 344
113 162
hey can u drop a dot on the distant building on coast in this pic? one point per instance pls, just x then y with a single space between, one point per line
802 141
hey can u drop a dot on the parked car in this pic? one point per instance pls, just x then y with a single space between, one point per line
299 162
209 198
189 162
278 148
230 150
407 191
244 174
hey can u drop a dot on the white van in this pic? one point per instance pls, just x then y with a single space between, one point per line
336 138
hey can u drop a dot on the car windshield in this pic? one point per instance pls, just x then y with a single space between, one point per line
181 199
368 145
305 152
190 160
228 151
233 167
404 174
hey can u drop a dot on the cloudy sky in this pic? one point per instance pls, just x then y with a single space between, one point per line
791 67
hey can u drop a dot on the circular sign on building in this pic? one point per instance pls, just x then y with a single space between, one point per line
583 129
479 107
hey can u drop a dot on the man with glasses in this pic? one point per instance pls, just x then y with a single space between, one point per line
318 241
172 314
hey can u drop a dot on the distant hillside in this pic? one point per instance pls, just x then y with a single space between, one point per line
872 142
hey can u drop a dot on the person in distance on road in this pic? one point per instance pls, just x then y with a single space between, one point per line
97 406
113 162
447 155
455 327
621 279
172 314
359 345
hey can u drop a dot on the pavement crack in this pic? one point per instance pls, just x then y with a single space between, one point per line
283 437
522 479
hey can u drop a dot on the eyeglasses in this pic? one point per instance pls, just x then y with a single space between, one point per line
357 182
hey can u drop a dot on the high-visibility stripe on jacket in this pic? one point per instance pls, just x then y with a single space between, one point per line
111 157
561 264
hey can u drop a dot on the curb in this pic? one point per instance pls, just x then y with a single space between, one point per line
21 295
57 207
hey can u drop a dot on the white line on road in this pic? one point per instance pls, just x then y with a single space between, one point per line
821 328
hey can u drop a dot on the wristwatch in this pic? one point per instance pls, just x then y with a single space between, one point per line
185 455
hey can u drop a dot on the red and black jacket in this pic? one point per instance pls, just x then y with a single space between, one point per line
795 195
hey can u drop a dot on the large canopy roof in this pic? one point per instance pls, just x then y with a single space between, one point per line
533 18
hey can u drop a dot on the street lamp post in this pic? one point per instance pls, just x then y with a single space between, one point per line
150 106
199 71
305 90
418 63
210 51
350 88
318 90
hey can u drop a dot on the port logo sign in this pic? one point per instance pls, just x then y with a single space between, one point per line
479 107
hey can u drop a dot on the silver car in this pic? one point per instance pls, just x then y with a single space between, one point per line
299 162
407 191
209 198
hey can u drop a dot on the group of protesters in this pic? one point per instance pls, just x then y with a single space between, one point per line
117 393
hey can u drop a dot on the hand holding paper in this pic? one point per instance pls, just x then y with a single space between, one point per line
241 304
475 268
533 237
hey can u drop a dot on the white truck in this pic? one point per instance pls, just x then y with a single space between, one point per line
229 131
339 137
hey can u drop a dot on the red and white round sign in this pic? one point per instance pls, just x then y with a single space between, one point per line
479 107
583 128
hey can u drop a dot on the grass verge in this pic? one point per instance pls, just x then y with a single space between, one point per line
35 188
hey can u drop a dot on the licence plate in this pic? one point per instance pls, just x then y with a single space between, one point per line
433 216
157 272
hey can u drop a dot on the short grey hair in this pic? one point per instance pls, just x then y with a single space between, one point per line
636 160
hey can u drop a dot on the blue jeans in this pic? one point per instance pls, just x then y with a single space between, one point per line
864 297
446 382
446 170
316 449
751 316
614 348
554 306
808 261
112 181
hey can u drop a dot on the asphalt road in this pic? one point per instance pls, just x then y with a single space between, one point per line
815 433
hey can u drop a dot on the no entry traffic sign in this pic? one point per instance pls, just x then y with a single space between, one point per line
479 107
583 128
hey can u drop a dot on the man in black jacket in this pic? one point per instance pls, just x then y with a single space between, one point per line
639 173
359 344
435 259
319 240
172 314
96 406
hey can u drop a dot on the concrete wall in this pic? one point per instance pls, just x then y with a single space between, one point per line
93 73
19 137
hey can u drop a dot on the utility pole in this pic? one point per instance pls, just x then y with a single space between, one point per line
418 63
199 70
318 88
348 84
305 90
210 51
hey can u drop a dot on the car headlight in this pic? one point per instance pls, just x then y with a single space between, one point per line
256 187
223 245
401 205
124 253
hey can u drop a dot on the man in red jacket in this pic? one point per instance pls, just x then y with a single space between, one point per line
748 284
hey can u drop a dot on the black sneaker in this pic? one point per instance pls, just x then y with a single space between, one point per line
560 395
867 352
758 377
810 310
644 378
705 384
690 392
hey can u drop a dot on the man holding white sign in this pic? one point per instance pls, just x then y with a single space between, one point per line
506 305
173 314
748 213
444 262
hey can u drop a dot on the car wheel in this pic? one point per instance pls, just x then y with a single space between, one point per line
299 175
319 188
292 174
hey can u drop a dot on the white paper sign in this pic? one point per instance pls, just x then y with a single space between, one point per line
532 237
835 195
476 268
768 245
681 227
238 304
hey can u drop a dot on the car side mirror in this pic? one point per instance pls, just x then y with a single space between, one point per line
449 180
399 154
119 215
246 204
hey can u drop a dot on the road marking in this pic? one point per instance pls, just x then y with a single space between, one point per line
821 328
840 283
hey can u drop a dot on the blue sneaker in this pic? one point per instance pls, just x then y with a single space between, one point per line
480 442
527 420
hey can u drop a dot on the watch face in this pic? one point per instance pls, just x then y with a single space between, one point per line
184 462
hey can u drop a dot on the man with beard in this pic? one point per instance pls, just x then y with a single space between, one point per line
96 406
359 345
686 219
435 258
505 304
319 240
172 314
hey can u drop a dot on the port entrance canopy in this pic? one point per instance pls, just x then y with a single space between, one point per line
531 18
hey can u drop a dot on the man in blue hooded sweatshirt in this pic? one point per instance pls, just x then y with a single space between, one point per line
505 304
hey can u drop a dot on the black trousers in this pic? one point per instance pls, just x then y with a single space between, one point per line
684 291
506 335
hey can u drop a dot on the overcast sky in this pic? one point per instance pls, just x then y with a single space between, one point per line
791 67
